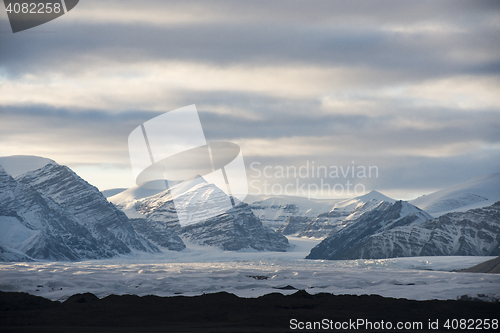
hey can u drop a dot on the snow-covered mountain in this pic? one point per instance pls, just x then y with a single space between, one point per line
86 205
322 224
472 233
476 193
318 227
236 229
367 219
274 212
132 194
30 226
351 204
51 213
159 233
211 223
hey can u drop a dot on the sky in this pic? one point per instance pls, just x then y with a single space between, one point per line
410 89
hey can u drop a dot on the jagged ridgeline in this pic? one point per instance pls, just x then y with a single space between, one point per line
384 230
51 213
48 212
235 229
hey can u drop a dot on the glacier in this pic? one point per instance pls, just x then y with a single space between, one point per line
204 269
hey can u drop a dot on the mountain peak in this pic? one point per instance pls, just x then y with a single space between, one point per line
476 193
201 179
375 195
351 204
17 165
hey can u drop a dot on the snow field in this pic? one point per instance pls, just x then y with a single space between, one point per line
199 270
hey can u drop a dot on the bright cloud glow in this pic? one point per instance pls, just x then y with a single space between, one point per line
112 86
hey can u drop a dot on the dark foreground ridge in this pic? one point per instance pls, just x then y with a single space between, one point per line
223 312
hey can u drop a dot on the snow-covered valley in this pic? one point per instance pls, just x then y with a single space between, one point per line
198 270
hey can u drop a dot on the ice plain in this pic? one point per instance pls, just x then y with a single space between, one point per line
198 270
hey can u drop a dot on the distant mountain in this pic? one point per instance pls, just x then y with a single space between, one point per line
318 227
475 232
236 229
274 212
402 230
476 193
367 220
351 204
232 229
51 213
159 233
321 225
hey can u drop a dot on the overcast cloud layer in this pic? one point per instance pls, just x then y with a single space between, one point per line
410 87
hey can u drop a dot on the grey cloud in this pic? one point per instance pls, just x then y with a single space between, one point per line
403 175
358 135
256 33
93 122
344 34
444 126
85 137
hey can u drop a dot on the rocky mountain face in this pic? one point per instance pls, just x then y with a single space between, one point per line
310 218
86 205
233 229
319 227
10 255
236 229
159 233
31 227
294 225
53 214
472 233
274 214
370 218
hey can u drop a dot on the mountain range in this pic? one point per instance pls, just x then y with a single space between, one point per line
476 193
324 223
236 228
47 212
389 231
366 220
462 224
